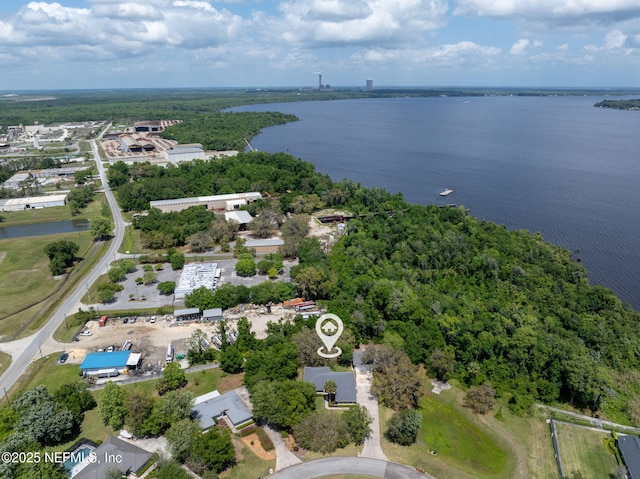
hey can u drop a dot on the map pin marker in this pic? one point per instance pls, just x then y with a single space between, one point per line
329 328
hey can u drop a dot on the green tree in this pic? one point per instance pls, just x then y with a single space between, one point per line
283 403
357 421
42 419
321 432
404 426
139 406
330 388
231 360
480 399
100 228
61 255
201 298
172 378
181 437
198 347
112 405
76 398
246 267
167 287
215 449
442 362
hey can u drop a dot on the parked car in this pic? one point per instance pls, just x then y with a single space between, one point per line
63 358
110 349
125 320
153 319
133 319
86 333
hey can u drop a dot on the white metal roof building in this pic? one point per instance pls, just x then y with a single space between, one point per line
32 202
194 276
180 153
239 216
215 202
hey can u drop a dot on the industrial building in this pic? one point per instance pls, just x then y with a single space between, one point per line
180 153
213 314
194 276
265 246
110 364
32 202
243 218
187 314
217 202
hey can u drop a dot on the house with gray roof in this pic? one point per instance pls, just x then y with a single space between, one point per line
629 447
227 405
116 453
345 382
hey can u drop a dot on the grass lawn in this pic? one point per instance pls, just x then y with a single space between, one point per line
131 242
25 278
5 361
249 465
466 446
47 371
583 450
534 437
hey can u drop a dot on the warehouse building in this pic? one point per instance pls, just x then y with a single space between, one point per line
128 144
216 202
32 202
187 314
265 246
181 153
111 364
194 276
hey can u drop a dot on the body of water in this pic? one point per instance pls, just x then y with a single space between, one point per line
40 229
556 165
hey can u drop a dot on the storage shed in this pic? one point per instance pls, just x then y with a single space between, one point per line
213 314
188 314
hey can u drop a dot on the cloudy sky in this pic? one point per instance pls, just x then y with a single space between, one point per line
270 43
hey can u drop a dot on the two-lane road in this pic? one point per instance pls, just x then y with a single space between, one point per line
31 347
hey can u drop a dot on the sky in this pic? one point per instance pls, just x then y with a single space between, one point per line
73 44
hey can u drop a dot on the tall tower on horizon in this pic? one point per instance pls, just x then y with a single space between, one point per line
369 86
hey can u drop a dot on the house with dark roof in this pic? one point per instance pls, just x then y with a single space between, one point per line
629 447
119 454
209 409
345 382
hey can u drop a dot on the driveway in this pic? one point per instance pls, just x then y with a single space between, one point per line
372 447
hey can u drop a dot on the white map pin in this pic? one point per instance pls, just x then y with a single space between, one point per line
329 328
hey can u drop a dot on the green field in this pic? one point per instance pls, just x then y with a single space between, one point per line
582 450
27 289
466 446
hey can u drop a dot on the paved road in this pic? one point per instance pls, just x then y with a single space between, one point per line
349 465
40 343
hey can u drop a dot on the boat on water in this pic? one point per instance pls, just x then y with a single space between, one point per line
446 192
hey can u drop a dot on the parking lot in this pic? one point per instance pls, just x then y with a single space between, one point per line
139 296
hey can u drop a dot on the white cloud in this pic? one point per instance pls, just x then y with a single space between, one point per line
614 39
335 22
541 9
519 47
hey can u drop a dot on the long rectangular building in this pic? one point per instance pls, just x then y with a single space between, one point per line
216 202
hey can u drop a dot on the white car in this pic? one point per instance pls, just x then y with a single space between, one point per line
86 333
153 319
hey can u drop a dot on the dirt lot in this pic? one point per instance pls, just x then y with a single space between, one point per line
152 339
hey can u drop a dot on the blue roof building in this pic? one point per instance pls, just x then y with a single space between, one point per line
105 364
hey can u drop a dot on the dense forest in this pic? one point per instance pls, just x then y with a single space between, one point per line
620 104
494 305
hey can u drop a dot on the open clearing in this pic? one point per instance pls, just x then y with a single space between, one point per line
582 450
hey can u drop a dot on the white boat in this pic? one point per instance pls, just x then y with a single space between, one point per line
446 192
